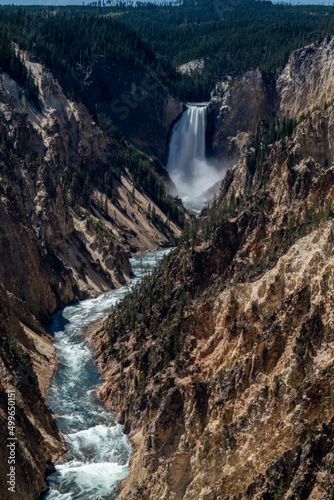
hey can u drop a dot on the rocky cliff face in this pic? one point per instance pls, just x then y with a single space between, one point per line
306 83
238 113
69 219
222 367
82 243
27 359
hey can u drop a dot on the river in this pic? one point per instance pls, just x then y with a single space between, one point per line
98 452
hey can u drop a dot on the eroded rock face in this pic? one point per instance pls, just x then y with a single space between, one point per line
38 441
37 221
224 382
31 270
304 86
238 113
307 80
83 251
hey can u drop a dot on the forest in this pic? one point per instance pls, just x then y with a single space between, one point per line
229 37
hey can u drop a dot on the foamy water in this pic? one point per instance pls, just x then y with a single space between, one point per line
98 452
192 174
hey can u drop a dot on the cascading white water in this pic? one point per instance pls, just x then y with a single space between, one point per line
98 451
190 171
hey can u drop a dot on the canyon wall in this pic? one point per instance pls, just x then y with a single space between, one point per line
137 104
27 360
221 368
305 85
238 113
307 80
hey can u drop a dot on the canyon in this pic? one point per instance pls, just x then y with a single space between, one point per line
220 367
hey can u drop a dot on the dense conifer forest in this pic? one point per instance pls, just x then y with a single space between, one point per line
228 36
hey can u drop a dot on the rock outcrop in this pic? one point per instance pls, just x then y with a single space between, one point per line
238 113
27 360
306 83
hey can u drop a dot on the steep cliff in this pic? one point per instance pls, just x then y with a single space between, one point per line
140 107
238 113
305 85
307 80
23 354
221 368
64 190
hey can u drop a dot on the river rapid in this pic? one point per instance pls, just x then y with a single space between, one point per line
98 452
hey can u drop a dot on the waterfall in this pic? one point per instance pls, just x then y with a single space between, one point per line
190 171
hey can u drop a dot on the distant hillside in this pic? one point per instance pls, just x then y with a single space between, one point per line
231 36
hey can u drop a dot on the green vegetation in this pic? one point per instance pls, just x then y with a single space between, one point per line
78 180
230 36
268 132
66 42
11 62
149 308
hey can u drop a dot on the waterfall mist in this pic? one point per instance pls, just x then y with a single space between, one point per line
192 174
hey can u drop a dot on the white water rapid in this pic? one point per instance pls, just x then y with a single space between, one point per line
98 452
192 174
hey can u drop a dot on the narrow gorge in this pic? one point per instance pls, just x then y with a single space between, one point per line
76 202
98 452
